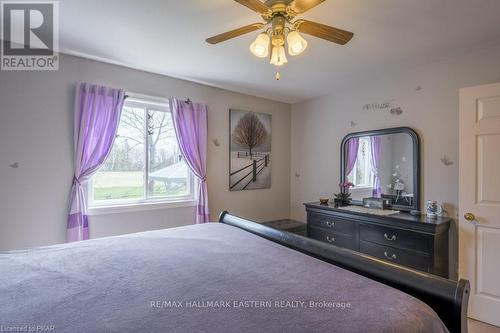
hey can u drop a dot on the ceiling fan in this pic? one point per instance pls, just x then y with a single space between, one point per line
282 30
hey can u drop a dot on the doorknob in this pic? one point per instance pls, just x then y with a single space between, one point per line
469 217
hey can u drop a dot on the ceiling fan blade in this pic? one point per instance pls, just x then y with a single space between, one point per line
234 33
302 6
255 5
324 31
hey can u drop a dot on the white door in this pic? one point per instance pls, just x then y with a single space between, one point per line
479 218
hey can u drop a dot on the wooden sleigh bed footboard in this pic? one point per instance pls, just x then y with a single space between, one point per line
449 299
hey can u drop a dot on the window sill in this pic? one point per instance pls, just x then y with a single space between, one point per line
360 188
137 207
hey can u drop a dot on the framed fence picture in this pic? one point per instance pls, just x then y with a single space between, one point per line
250 150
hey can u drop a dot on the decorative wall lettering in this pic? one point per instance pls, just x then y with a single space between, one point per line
386 106
377 106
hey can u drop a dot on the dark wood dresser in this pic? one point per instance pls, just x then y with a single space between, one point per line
404 239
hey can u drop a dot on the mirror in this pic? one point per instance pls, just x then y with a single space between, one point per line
383 164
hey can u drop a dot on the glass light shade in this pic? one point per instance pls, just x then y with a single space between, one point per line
296 44
278 56
260 47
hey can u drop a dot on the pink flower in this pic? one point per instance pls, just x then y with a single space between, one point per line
346 185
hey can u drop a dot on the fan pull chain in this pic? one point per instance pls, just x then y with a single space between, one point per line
278 77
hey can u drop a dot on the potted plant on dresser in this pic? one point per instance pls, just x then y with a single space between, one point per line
344 197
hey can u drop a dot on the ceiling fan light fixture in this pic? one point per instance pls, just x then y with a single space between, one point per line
296 43
260 47
283 31
278 56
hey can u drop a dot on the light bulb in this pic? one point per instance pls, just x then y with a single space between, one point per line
260 47
296 44
278 56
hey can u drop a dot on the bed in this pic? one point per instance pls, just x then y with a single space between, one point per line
220 277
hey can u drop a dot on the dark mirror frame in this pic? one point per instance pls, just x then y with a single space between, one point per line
416 161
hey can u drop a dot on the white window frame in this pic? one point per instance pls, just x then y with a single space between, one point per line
128 205
367 169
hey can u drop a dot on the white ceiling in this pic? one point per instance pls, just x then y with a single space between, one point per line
168 37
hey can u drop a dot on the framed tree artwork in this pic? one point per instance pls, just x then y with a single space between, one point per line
250 150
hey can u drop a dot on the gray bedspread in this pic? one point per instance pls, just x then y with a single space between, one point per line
203 278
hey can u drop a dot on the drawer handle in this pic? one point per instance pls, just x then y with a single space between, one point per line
330 239
393 257
392 238
330 224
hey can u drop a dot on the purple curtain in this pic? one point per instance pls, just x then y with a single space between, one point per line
190 124
97 115
352 155
375 142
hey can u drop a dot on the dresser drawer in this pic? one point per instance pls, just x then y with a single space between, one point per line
397 256
403 239
333 238
332 224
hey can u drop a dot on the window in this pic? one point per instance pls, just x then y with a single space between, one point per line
145 163
362 175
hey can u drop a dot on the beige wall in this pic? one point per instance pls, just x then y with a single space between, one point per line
36 114
36 131
319 125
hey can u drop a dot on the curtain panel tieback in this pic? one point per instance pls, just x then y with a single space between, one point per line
76 182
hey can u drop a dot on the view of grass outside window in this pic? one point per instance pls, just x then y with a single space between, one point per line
145 163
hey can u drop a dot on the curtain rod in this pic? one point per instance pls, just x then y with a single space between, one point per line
188 101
